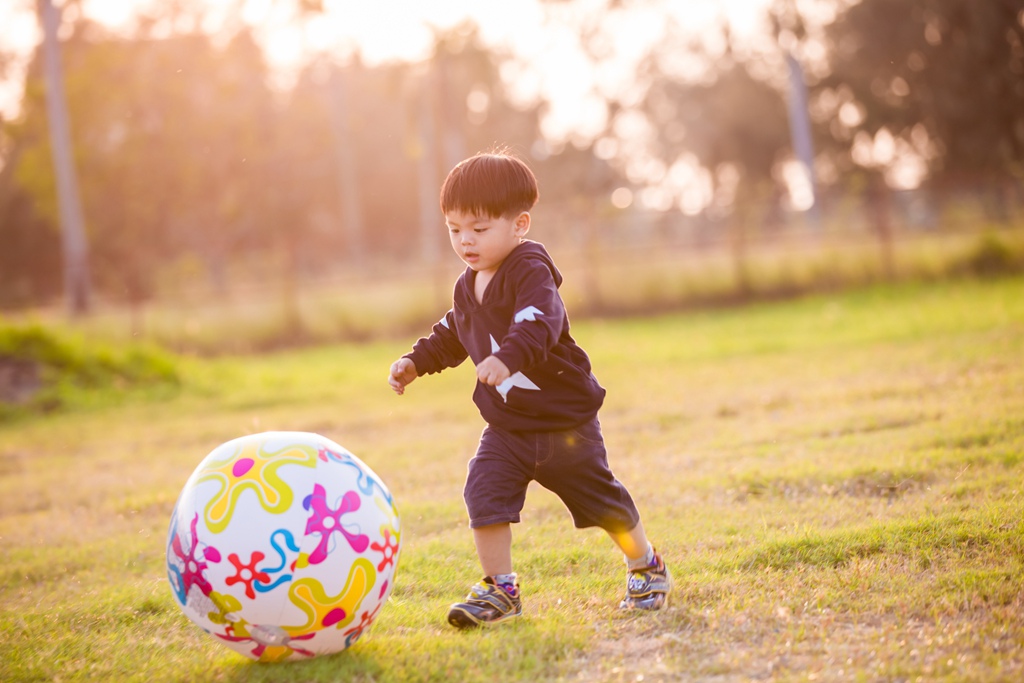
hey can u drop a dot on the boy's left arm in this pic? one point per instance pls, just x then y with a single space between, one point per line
537 322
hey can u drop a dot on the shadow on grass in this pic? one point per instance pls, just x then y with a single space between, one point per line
353 664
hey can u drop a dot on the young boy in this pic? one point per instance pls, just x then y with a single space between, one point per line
534 389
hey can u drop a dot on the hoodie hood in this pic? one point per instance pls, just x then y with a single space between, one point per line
529 250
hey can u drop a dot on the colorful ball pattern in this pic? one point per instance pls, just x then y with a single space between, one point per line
283 545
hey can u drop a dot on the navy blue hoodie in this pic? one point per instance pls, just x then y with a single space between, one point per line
522 322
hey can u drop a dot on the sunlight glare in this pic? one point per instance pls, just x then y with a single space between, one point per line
552 64
799 185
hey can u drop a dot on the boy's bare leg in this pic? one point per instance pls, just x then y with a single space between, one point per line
494 548
632 543
491 601
648 579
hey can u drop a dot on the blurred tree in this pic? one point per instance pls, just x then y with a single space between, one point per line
30 248
315 182
694 100
171 158
578 185
736 126
936 81
192 158
338 93
456 108
30 260
224 137
72 223
345 129
731 119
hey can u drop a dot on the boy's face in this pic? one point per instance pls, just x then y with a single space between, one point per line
484 242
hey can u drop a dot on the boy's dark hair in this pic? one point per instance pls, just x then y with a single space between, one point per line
492 184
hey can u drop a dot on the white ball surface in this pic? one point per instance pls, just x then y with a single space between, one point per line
283 545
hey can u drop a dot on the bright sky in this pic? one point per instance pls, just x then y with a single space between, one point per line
553 66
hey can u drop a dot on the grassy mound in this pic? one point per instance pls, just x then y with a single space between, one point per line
42 370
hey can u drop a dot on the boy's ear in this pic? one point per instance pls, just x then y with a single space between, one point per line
522 224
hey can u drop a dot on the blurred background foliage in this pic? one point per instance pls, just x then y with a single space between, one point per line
201 182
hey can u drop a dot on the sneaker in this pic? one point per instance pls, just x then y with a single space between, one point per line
487 603
647 588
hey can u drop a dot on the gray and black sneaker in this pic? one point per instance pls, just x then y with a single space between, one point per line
647 588
487 603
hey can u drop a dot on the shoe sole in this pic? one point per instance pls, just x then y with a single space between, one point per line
648 603
461 619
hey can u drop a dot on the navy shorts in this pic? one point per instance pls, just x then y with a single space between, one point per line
573 464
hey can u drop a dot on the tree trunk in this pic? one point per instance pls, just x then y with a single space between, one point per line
348 166
800 131
295 329
738 245
880 211
592 261
426 171
75 249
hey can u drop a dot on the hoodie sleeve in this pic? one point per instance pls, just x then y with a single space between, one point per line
442 349
538 319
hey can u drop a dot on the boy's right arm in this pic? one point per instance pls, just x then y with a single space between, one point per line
442 349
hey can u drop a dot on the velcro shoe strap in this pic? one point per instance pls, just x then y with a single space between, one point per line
496 598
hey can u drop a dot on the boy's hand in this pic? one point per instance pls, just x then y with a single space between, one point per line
403 371
492 371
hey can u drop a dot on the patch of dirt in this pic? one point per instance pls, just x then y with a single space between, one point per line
11 463
633 658
20 380
746 647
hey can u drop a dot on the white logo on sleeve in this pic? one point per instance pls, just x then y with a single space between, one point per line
517 380
529 313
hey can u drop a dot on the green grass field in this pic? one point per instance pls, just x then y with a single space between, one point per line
836 483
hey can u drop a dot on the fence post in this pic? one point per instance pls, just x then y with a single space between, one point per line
881 213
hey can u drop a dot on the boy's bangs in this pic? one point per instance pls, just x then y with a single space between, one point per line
489 185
